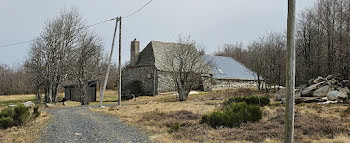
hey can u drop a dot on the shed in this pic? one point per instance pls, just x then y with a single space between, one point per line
72 94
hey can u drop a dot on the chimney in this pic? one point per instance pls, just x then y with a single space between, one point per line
134 52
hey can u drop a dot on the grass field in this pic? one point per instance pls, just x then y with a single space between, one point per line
157 115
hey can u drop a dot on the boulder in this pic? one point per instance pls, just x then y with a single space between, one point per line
29 104
333 95
49 105
321 92
345 89
64 103
280 94
308 90
309 100
13 105
329 77
318 79
332 82
343 95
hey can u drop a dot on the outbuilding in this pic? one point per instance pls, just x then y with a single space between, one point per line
72 93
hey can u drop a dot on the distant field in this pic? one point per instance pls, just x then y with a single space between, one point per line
5 100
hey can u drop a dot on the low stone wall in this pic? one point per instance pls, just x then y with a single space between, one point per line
219 84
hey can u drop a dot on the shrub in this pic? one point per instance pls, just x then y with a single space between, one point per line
252 100
6 122
7 112
174 128
233 115
36 112
21 115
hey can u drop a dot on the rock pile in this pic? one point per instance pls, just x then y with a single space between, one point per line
323 90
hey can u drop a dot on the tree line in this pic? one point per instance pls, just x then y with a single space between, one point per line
64 53
322 46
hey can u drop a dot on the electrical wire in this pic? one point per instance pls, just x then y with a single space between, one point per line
138 9
84 26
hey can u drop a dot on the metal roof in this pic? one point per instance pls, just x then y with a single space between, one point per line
229 68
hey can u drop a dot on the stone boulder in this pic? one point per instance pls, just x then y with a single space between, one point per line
332 82
345 89
333 95
318 79
49 105
329 77
343 95
29 104
321 92
309 90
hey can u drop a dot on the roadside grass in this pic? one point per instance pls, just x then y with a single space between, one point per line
169 120
25 133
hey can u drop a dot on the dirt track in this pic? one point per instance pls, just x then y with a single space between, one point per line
79 124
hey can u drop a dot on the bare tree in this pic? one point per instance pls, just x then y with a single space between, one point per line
186 65
63 50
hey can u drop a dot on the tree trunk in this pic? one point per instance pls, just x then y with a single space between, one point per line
183 94
48 97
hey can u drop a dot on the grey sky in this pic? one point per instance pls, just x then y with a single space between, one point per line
210 22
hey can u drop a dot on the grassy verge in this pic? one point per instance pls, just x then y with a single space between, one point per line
171 121
26 133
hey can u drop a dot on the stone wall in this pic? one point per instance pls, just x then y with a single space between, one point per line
165 82
144 74
219 84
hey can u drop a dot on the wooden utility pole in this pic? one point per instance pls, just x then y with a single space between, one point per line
290 81
109 63
120 62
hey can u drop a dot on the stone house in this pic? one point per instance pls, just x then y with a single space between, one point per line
149 73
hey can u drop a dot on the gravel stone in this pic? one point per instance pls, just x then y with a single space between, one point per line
80 125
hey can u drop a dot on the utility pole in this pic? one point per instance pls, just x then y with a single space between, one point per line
109 63
290 80
120 62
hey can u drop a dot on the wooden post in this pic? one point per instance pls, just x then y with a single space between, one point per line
109 63
120 62
290 77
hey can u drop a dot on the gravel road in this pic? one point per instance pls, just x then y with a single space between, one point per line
79 124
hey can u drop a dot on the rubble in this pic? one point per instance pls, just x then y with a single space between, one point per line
321 90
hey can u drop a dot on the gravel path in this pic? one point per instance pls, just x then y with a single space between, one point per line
79 124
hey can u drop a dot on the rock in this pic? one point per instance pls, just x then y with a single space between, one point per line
329 77
332 95
321 92
332 82
283 100
282 94
343 95
345 89
193 92
49 105
77 134
12 105
64 104
309 100
318 79
308 90
328 102
29 104
103 107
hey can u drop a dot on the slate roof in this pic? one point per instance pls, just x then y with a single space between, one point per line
155 54
229 68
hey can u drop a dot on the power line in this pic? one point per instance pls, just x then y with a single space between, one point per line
138 9
77 29
84 26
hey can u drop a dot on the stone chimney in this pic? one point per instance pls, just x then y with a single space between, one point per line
134 52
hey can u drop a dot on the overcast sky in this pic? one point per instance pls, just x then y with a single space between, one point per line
210 22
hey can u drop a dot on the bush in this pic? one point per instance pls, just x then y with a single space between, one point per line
7 112
233 115
21 115
252 100
174 128
6 122
36 112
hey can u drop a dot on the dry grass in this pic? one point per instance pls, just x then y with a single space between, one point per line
26 133
313 122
